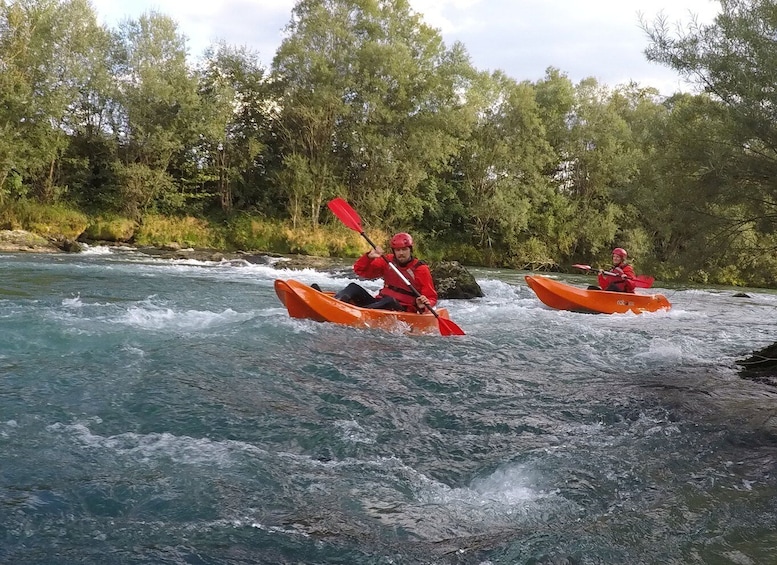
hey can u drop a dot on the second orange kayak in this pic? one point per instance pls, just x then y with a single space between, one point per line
562 296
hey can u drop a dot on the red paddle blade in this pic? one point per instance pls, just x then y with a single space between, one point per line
584 267
447 327
347 215
643 281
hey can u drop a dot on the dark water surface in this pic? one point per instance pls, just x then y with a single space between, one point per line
163 412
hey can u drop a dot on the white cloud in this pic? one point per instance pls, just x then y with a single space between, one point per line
451 16
582 38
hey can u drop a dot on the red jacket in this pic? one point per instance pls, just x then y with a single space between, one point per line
415 271
620 284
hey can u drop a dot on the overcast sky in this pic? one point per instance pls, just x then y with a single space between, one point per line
582 38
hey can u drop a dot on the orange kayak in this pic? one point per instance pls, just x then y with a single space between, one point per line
565 297
305 302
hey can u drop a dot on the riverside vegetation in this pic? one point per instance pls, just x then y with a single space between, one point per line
118 134
243 232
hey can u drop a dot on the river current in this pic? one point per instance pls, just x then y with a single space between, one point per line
155 411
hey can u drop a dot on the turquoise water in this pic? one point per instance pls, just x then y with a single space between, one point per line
156 411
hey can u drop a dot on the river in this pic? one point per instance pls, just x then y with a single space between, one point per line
155 411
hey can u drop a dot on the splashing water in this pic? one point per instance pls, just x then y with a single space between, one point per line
159 411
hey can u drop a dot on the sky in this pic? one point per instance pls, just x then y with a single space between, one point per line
582 38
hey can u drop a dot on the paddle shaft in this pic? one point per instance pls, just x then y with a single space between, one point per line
612 274
642 281
590 268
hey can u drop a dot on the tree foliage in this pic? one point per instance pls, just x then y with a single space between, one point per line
732 150
371 105
237 107
364 100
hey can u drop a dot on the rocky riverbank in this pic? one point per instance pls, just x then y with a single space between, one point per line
26 242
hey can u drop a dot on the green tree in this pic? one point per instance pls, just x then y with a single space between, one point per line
313 75
555 95
238 107
634 189
88 165
734 159
371 106
156 122
47 52
598 160
500 171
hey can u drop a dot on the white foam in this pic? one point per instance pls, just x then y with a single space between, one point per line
509 485
169 319
95 249
74 302
156 446
670 350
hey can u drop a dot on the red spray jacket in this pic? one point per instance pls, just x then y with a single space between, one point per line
417 272
619 284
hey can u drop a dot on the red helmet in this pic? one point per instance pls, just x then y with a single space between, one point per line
620 251
401 240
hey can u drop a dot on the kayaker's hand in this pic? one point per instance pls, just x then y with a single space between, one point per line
422 302
375 253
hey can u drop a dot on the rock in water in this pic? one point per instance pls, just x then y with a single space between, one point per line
761 366
452 280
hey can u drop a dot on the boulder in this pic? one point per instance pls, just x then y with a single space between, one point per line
66 244
21 240
761 366
452 280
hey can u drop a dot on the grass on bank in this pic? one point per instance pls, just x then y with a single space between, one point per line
255 234
243 232
251 233
55 220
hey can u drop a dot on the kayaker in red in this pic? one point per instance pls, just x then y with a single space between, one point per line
623 279
395 294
